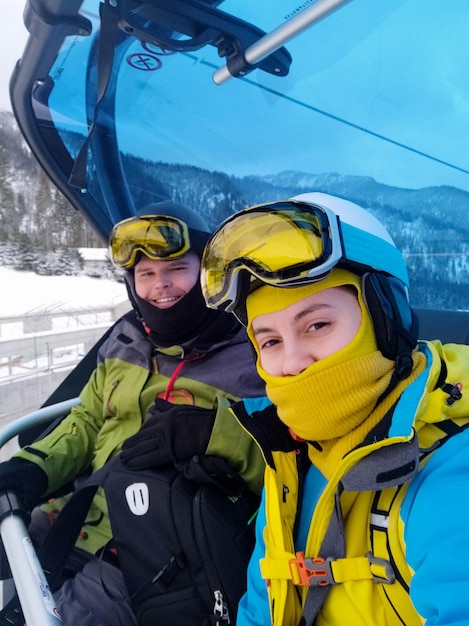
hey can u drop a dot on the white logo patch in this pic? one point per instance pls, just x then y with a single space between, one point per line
138 499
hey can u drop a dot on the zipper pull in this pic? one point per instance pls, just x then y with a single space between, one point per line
220 609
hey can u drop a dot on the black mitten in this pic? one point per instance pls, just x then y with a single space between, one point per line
27 480
170 434
268 430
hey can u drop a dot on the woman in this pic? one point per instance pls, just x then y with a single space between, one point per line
367 453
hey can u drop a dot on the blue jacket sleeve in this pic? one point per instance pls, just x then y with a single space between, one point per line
253 608
436 513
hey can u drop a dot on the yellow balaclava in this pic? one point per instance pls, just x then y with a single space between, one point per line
332 401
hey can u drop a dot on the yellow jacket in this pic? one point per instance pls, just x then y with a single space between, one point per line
389 491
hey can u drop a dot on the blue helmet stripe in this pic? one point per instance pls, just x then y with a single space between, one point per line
372 251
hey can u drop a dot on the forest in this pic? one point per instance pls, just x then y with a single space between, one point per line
41 231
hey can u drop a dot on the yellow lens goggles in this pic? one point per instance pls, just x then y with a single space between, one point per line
281 244
157 236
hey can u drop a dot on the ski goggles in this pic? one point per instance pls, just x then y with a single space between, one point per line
157 236
281 244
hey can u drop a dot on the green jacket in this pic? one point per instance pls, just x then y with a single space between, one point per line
130 373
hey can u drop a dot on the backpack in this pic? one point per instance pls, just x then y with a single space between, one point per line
183 538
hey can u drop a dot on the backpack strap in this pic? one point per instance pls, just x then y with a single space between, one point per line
382 564
321 574
333 544
389 466
60 540
386 505
454 391
387 547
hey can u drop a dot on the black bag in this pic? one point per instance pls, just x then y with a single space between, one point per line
183 538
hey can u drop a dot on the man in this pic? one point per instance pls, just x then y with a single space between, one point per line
170 350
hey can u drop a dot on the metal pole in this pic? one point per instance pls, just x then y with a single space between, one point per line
37 601
279 37
37 417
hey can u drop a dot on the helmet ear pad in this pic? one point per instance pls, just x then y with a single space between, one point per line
394 322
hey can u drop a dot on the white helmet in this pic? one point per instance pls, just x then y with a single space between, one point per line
299 241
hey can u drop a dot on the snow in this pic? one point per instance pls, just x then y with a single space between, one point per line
24 293
94 254
25 296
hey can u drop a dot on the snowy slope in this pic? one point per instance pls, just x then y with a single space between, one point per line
26 293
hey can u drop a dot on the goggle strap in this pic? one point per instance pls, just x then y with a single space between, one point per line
242 293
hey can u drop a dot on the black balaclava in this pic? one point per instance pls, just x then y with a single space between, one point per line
189 320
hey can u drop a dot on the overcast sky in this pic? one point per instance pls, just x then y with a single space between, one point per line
13 35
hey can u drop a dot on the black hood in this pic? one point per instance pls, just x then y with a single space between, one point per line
189 321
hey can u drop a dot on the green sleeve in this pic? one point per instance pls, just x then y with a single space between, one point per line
230 441
66 451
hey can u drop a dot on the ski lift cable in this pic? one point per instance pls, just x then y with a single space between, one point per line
295 26
282 34
342 120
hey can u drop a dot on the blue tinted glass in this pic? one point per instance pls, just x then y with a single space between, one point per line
381 97
374 108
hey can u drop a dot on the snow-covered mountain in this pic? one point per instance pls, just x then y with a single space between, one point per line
430 225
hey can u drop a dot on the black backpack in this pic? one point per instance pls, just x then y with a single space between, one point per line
183 538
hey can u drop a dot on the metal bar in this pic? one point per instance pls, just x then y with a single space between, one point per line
33 345
283 33
37 417
35 596
37 601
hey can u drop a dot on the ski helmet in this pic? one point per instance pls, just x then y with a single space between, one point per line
299 241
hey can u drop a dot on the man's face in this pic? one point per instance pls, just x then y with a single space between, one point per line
163 283
307 331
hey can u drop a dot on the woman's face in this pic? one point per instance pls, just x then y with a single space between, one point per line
307 331
163 283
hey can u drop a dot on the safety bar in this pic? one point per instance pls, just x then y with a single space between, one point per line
35 596
282 34
40 416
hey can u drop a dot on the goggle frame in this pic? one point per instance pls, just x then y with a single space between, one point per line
227 298
155 252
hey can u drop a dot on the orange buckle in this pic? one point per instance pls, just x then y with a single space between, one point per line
314 572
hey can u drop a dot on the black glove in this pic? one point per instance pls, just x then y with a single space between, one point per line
268 430
27 480
171 433
213 470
